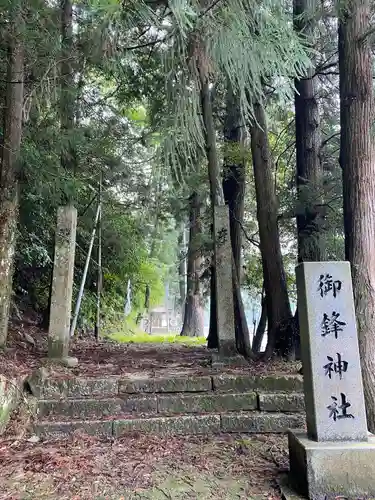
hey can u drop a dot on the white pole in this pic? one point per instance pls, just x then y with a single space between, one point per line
80 294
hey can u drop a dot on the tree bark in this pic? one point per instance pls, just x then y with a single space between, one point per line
234 195
9 152
217 199
67 87
182 265
309 169
193 317
214 171
216 189
241 326
261 328
212 339
357 159
68 158
277 302
234 173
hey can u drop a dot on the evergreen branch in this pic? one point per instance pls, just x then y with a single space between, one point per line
249 238
103 99
210 7
281 134
336 134
88 205
146 44
290 145
327 73
320 70
367 34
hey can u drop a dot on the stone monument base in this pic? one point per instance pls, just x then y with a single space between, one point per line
325 470
220 360
67 361
227 348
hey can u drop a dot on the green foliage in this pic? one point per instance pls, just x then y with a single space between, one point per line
219 40
138 125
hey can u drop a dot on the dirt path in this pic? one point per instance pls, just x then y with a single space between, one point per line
111 358
224 467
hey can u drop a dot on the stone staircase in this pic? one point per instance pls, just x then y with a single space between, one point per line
185 404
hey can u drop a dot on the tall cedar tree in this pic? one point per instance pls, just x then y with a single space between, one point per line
277 302
234 195
67 97
67 107
182 264
217 198
357 159
309 170
234 172
9 153
261 328
214 175
193 325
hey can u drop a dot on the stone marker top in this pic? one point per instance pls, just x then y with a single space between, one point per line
335 409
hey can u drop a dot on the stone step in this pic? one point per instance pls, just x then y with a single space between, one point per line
281 401
96 408
244 383
261 422
169 404
147 404
42 386
45 387
207 403
244 422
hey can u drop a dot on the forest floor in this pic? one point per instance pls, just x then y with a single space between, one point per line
27 350
137 466
224 467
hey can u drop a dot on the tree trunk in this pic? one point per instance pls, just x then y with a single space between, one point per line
44 323
216 189
309 169
214 172
67 87
357 159
240 322
9 152
217 199
182 265
234 194
278 308
193 317
261 328
68 158
212 339
234 173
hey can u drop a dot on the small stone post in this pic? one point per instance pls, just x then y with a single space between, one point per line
224 283
336 457
62 285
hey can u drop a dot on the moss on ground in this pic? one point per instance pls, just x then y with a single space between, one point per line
145 338
128 332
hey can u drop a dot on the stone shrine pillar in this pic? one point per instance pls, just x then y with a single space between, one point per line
224 283
336 457
62 284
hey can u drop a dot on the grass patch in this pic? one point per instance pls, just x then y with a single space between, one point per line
128 332
145 338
